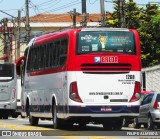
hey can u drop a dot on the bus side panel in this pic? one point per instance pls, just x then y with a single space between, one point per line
40 91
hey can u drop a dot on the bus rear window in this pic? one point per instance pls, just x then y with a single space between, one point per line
112 41
6 71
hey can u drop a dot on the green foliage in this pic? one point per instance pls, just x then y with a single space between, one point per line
146 20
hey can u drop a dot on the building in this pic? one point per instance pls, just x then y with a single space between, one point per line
45 23
151 78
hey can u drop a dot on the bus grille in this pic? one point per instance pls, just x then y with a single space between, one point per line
106 68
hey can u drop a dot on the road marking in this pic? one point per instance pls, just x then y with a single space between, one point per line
101 137
21 127
87 137
69 137
46 131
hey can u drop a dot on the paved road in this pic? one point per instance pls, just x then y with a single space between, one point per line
20 127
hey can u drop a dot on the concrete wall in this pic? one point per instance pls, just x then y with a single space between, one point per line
151 78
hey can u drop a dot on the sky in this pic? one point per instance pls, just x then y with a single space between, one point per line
54 6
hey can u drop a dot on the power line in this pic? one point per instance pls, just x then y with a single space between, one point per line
8 14
46 2
93 2
37 14
63 7
50 5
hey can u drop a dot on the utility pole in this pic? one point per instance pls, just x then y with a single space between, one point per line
6 40
121 8
27 22
74 14
74 18
18 35
103 15
84 14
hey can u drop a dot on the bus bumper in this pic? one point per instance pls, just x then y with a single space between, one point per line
104 111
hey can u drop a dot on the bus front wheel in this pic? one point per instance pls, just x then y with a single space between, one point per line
33 120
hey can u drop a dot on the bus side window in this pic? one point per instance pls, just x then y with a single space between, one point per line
39 58
63 52
42 56
53 55
29 61
31 57
57 52
34 58
50 54
47 56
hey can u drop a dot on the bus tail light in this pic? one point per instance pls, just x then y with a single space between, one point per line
74 92
156 105
136 94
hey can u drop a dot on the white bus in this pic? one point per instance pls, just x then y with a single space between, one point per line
8 88
82 76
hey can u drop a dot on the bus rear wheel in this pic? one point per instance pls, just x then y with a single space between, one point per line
136 124
113 125
5 117
56 121
107 126
118 124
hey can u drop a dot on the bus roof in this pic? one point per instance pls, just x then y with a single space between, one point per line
50 36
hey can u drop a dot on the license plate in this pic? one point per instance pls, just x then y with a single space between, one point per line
104 109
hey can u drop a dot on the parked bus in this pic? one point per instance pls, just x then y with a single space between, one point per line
88 75
8 87
19 107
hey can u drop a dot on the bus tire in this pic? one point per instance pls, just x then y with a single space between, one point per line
125 122
33 120
15 116
22 116
56 120
136 124
5 117
27 107
107 126
82 125
118 125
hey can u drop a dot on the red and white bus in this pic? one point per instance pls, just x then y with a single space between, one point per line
87 75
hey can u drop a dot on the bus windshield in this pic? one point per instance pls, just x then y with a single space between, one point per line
6 72
111 41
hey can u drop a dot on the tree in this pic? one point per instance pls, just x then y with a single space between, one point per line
149 41
146 21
